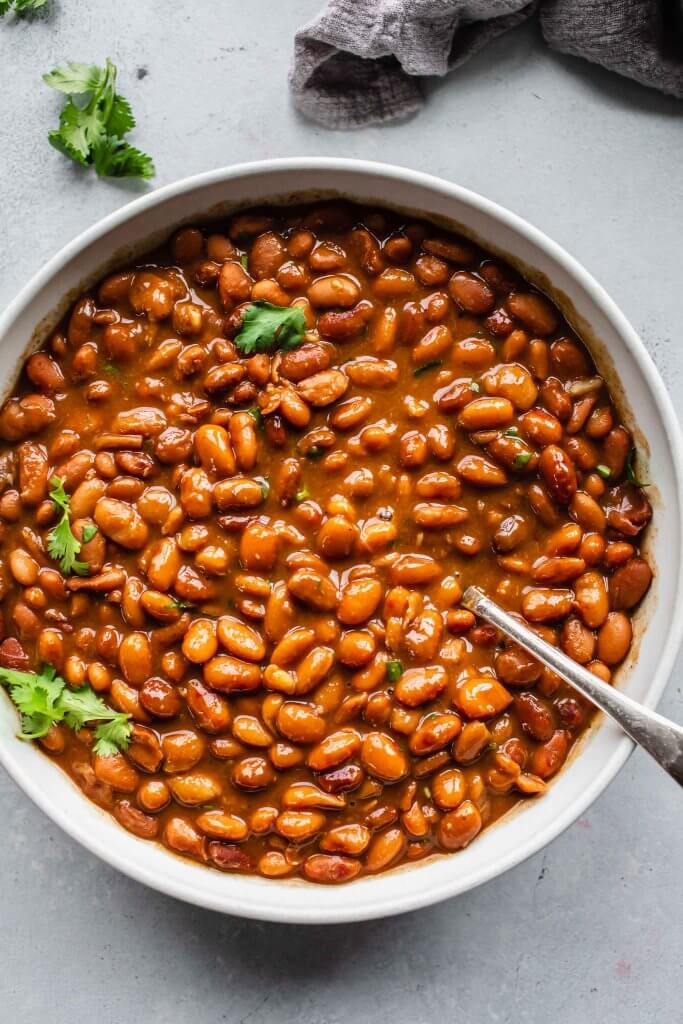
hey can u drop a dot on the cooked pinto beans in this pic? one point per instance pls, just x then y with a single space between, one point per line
274 544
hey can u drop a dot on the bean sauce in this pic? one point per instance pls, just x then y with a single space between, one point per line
276 543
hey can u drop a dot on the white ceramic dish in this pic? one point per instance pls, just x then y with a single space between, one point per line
602 754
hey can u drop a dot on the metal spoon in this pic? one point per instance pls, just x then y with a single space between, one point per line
662 738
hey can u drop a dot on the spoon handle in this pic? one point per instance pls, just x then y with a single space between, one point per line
662 738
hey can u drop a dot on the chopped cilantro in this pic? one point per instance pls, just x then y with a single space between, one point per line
394 670
256 415
427 366
630 470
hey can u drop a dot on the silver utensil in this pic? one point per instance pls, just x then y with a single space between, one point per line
662 738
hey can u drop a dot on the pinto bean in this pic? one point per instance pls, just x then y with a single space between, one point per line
541 427
616 447
545 605
591 599
578 641
480 472
24 417
558 473
358 601
323 388
334 290
512 381
330 868
214 450
258 547
471 293
382 757
486 414
614 638
234 284
629 584
121 523
435 732
535 312
557 570
549 757
448 789
240 640
433 345
210 710
231 675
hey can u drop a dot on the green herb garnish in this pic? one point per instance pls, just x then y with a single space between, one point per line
256 415
89 531
244 260
62 545
302 494
520 461
512 432
20 6
265 489
266 327
630 470
427 366
94 121
113 370
43 699
394 670
604 471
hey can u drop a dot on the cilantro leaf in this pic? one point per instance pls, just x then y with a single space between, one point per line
266 327
75 79
120 120
62 545
35 697
43 699
114 158
114 736
94 121
83 705
20 6
631 470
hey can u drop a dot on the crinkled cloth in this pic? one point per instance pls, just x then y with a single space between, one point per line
360 61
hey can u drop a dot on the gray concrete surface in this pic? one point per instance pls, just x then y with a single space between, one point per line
588 930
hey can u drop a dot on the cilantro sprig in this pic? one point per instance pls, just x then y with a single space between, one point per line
20 6
43 699
62 545
94 121
266 327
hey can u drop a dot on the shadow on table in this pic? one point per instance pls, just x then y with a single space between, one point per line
504 61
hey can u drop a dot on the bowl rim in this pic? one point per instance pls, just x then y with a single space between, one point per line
309 912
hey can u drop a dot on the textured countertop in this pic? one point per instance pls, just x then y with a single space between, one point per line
590 929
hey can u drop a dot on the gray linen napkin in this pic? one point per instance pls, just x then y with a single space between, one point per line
360 61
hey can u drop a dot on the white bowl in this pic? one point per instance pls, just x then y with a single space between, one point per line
614 343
